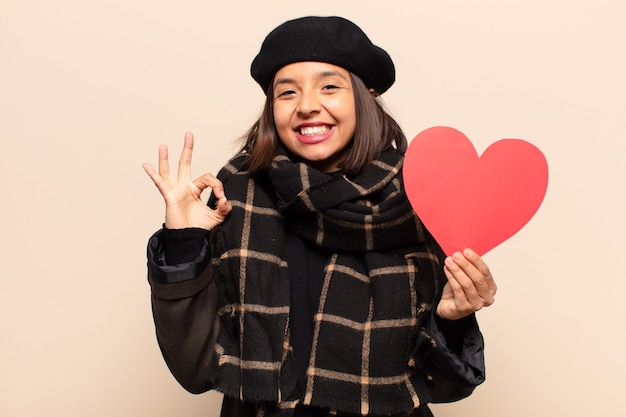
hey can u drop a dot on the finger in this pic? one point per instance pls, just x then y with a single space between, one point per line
484 279
209 181
461 303
457 266
477 293
223 207
152 173
184 163
476 261
147 166
457 288
474 267
164 164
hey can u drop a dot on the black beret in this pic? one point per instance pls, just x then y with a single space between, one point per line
334 40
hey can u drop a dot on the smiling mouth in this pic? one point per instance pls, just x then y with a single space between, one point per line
313 130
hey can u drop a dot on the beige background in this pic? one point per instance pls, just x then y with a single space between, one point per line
89 89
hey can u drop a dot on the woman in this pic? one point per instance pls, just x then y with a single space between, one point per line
308 286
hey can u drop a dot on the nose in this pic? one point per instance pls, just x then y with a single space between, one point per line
309 103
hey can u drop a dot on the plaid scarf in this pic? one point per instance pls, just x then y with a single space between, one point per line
382 277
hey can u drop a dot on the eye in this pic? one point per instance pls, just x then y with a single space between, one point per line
330 87
286 93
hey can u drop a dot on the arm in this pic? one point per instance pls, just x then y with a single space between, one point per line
184 300
456 363
184 310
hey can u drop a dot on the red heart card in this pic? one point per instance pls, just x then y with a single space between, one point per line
467 201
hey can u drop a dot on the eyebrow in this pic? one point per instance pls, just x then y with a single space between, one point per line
321 75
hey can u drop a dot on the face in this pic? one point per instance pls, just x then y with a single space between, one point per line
314 112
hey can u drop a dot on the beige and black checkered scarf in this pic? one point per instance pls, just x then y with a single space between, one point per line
380 283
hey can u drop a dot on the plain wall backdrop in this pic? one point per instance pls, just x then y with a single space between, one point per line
89 89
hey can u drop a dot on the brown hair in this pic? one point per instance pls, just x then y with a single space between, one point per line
375 131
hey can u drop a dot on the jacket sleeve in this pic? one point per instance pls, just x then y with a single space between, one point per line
184 307
455 366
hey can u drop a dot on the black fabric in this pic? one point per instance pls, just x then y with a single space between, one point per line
364 346
189 265
334 40
455 366
183 245
453 331
301 311
232 407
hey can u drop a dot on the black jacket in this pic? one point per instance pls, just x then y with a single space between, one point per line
184 300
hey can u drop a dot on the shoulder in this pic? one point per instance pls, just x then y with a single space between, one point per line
232 167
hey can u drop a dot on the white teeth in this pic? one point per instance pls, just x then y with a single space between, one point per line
314 130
